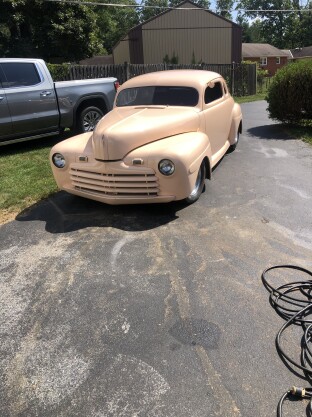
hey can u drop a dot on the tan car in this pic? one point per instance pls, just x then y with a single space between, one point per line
166 132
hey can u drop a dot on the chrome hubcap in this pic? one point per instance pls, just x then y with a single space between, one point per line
90 120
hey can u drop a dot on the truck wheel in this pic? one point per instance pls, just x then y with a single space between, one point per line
199 185
88 119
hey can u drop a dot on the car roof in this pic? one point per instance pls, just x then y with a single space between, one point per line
187 78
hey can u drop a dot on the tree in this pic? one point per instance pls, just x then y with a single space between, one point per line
306 26
277 27
154 7
52 31
115 22
224 8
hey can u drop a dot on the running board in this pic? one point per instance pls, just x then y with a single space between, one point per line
43 135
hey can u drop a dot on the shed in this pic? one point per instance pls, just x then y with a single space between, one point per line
188 32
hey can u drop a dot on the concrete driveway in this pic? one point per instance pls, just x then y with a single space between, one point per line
158 311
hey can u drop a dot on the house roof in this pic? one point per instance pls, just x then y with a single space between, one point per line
257 50
288 53
302 52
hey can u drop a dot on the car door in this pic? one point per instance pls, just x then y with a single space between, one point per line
31 99
218 110
5 117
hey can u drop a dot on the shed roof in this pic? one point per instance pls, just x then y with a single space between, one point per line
257 50
194 6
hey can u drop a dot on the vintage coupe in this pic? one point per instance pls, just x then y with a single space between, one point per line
166 132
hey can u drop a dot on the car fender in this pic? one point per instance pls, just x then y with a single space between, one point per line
186 151
188 148
236 124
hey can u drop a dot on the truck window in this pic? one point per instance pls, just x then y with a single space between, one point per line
18 74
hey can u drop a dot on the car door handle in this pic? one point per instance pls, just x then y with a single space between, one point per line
1 98
45 93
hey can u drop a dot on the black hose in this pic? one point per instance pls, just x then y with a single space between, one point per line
293 302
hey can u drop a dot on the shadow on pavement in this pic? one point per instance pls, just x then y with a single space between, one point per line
65 213
273 131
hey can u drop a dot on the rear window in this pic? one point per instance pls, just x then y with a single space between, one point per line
158 96
17 74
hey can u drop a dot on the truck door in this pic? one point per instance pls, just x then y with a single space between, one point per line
5 117
31 99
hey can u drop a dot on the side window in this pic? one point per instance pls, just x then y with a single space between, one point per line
213 92
20 74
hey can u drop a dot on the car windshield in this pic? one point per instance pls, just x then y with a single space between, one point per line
158 96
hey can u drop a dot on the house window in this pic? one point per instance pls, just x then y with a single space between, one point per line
264 61
278 60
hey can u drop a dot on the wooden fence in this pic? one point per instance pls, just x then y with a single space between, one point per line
241 78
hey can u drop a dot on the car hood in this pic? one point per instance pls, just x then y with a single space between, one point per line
127 128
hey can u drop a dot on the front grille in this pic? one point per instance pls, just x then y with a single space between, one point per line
131 185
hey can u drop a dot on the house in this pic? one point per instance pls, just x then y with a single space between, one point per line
300 53
188 32
269 57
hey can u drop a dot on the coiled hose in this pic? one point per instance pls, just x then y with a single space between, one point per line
293 302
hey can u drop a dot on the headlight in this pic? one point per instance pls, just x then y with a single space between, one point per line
166 167
58 160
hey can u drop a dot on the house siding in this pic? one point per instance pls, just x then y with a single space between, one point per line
272 67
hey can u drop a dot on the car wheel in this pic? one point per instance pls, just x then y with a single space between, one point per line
88 119
233 146
199 184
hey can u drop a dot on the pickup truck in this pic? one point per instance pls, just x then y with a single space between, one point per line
33 106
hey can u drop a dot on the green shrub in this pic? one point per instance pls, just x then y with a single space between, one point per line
290 93
59 72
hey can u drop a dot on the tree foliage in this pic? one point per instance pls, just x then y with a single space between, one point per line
114 22
224 8
63 32
149 12
53 31
277 23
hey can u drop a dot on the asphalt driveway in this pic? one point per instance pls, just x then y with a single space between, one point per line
157 311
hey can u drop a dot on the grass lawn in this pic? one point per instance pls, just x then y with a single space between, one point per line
248 99
26 176
300 132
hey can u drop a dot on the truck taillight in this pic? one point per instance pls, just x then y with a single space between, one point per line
117 85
